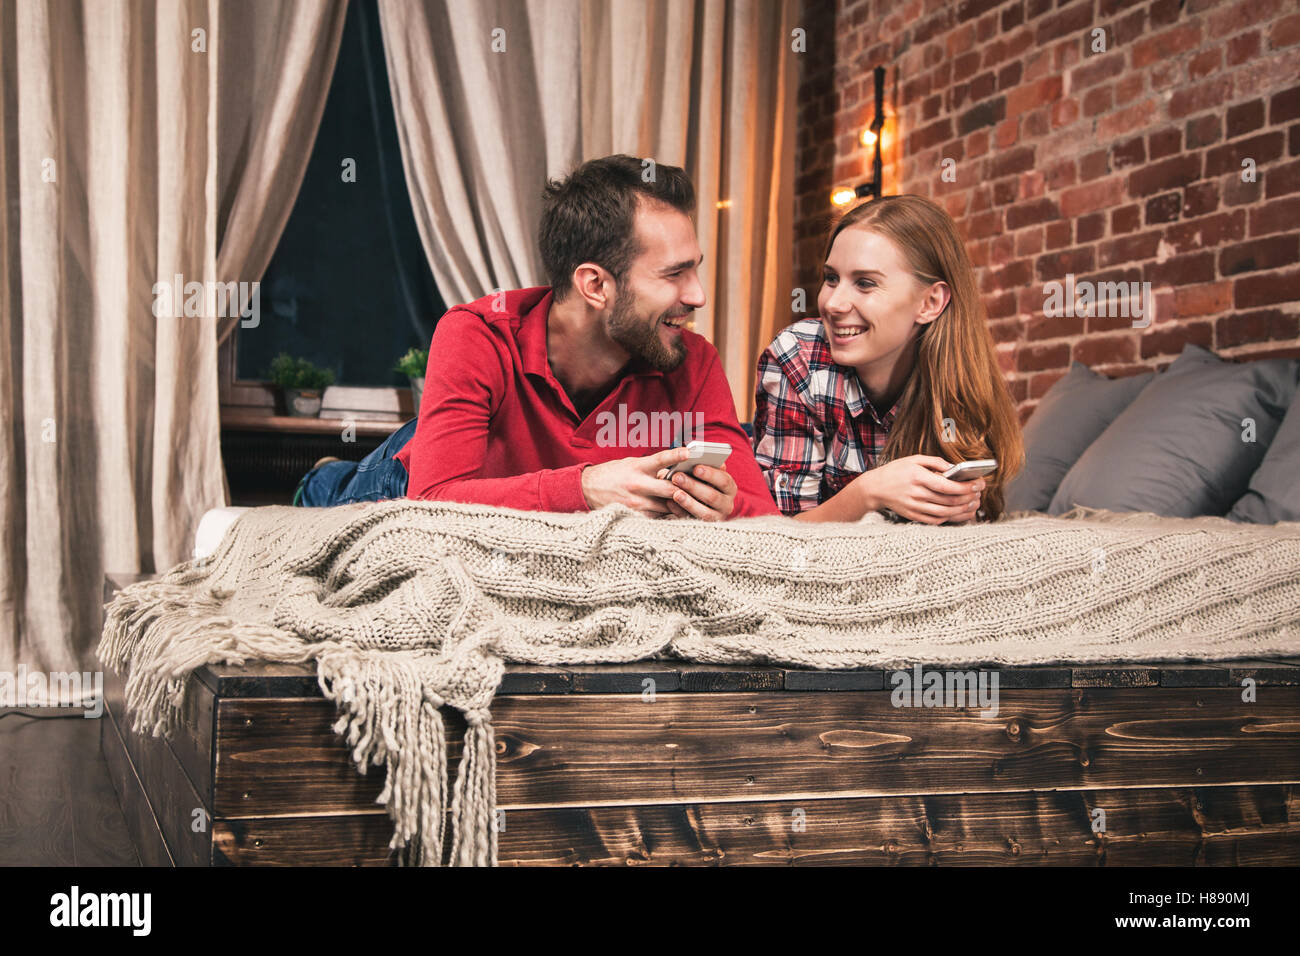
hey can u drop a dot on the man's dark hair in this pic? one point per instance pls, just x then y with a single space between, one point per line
589 216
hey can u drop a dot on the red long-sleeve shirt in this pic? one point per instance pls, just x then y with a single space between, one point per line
496 427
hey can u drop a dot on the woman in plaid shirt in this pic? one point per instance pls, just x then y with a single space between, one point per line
862 409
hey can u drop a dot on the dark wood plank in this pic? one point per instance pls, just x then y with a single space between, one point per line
177 806
141 823
535 679
1119 675
1029 678
1264 673
182 816
834 680
359 839
1193 675
714 678
260 679
1041 677
299 680
1143 827
282 756
627 678
174 797
580 750
193 740
141 827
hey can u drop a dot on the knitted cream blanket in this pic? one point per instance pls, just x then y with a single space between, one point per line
408 606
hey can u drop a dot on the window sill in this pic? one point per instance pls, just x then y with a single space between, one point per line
249 420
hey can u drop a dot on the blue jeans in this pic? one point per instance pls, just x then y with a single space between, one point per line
376 477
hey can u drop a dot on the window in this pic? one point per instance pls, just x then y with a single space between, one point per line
349 286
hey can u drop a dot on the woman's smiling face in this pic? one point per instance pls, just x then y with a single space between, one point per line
870 303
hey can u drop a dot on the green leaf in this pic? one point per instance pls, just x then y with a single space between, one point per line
289 372
413 363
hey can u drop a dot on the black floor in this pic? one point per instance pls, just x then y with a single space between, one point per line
57 803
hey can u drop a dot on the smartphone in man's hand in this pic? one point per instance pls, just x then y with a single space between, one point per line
713 453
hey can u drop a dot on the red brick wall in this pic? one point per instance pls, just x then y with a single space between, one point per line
1115 166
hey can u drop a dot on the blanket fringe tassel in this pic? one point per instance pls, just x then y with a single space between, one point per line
158 632
392 718
473 806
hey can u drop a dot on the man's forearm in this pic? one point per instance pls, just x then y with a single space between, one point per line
558 489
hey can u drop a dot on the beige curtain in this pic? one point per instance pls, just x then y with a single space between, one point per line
116 178
485 93
708 86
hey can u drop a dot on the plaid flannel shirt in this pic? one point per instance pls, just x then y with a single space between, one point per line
815 430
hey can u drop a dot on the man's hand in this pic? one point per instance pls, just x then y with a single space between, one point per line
710 495
635 482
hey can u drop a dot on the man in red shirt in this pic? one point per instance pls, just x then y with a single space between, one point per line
570 397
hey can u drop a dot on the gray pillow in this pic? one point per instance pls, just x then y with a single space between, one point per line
1274 493
1179 449
1067 420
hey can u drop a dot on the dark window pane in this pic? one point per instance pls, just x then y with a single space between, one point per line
349 286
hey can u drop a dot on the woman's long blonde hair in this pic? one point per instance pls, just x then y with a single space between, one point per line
956 404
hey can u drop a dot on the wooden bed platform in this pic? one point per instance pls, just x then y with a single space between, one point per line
753 765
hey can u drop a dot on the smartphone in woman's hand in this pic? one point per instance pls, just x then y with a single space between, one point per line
970 470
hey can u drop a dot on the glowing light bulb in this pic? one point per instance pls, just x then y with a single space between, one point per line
868 137
843 195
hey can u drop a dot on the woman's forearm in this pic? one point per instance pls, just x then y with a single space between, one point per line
850 503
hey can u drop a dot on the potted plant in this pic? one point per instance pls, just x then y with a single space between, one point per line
412 365
302 383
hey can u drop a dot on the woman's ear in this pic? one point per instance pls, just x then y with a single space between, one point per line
933 301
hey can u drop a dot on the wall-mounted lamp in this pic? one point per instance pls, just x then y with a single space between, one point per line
843 195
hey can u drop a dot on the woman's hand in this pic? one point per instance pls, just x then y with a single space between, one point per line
914 488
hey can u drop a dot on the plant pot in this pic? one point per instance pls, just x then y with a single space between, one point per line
417 392
302 402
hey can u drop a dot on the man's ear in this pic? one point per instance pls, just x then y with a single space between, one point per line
594 285
933 301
